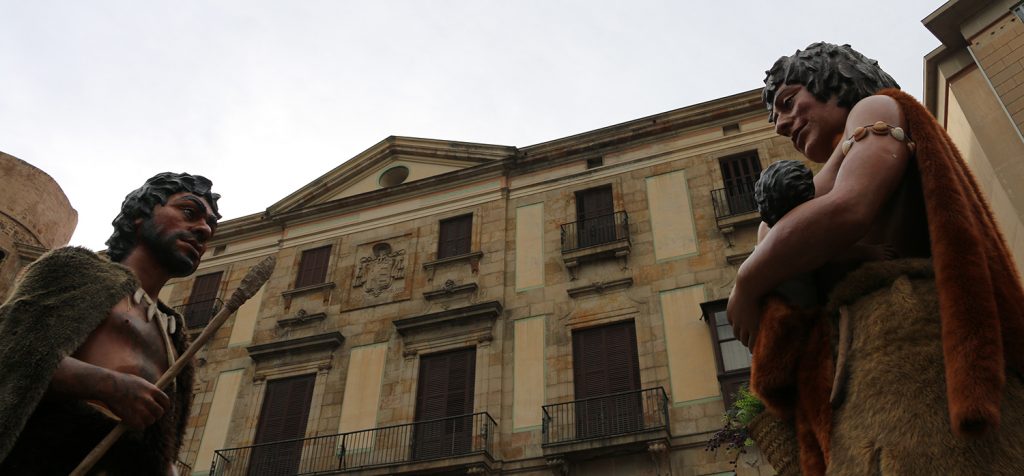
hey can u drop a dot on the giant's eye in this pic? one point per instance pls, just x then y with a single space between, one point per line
788 102
189 213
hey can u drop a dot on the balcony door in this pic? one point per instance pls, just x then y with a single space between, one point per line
606 372
595 216
739 173
283 417
444 405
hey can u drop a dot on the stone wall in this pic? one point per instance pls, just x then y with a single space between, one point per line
35 216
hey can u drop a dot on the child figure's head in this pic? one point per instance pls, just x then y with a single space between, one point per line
782 186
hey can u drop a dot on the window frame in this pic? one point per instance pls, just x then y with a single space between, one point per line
304 276
444 251
728 380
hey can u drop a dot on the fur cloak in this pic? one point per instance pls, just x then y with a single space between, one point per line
981 308
57 303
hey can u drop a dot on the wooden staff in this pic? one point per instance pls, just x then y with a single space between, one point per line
251 283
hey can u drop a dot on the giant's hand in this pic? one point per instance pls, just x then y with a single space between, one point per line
135 400
744 314
129 397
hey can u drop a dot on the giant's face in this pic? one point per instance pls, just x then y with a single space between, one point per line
177 232
814 127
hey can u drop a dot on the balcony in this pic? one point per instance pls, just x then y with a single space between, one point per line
735 205
626 421
198 314
464 441
605 236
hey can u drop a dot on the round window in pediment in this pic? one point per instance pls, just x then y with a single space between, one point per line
394 176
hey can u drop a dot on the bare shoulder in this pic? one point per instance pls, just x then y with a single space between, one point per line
873 109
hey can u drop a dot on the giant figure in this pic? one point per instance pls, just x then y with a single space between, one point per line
913 363
83 338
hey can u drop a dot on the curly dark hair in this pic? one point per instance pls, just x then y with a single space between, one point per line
827 70
140 203
782 186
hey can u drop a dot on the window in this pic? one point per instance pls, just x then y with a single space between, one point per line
1018 10
731 356
605 365
394 176
444 403
202 303
313 266
739 173
283 417
455 236
595 216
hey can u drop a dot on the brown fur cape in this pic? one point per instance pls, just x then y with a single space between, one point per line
57 303
981 307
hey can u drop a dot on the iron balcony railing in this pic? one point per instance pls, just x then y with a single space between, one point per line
735 199
605 416
595 231
199 313
420 441
182 467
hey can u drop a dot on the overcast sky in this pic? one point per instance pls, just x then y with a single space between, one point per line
263 97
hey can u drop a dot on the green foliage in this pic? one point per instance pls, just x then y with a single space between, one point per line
733 434
745 407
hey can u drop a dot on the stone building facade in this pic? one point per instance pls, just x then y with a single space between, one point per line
35 216
974 85
461 308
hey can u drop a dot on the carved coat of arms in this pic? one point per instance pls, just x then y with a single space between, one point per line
377 273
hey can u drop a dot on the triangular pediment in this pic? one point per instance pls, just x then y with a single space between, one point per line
391 162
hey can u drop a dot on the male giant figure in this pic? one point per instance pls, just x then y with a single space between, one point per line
83 338
928 365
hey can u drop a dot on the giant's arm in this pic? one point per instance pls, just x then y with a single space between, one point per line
812 233
133 399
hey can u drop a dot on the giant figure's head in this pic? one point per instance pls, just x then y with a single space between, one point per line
827 70
137 224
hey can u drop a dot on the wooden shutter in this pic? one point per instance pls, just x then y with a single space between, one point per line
739 173
605 360
455 236
283 417
313 266
201 302
445 391
605 364
595 216
740 169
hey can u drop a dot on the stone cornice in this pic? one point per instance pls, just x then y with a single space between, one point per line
599 287
599 141
450 289
267 221
393 194
241 227
301 318
327 341
407 147
483 311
